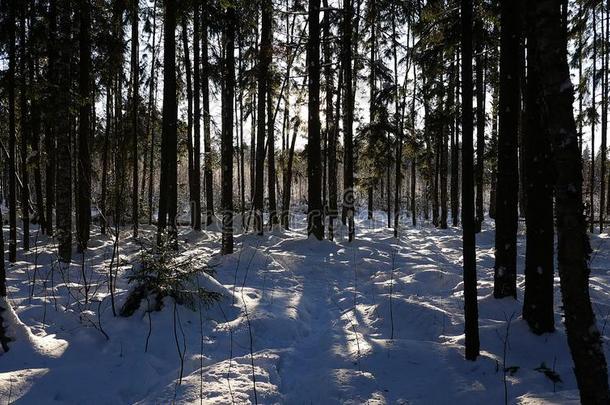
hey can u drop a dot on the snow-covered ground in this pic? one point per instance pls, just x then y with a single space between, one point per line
375 321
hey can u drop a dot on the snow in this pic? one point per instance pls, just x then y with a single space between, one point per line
312 321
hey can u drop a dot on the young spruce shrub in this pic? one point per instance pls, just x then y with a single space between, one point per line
164 272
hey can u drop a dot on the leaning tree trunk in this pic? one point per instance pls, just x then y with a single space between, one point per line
226 148
505 267
573 247
471 312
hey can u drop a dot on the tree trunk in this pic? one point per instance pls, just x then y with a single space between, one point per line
399 127
228 92
443 166
35 142
348 120
84 128
135 98
505 268
207 137
414 160
189 115
594 109
480 89
64 157
104 174
150 124
454 153
493 150
264 58
169 142
471 312
196 202
12 243
539 176
287 192
314 170
573 243
271 174
25 132
604 124
242 164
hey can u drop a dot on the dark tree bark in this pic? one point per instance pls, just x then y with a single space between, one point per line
331 121
135 99
287 192
10 79
348 120
414 160
84 128
36 111
241 155
604 124
287 162
63 210
169 142
471 312
443 157
207 137
196 197
399 126
150 126
593 108
573 243
189 114
271 174
226 155
264 60
25 131
606 95
539 176
454 152
480 89
505 267
314 170
105 146
372 94
4 340
493 150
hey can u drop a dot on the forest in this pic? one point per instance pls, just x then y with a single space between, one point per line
304 201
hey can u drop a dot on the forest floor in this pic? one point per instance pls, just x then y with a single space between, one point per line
376 321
